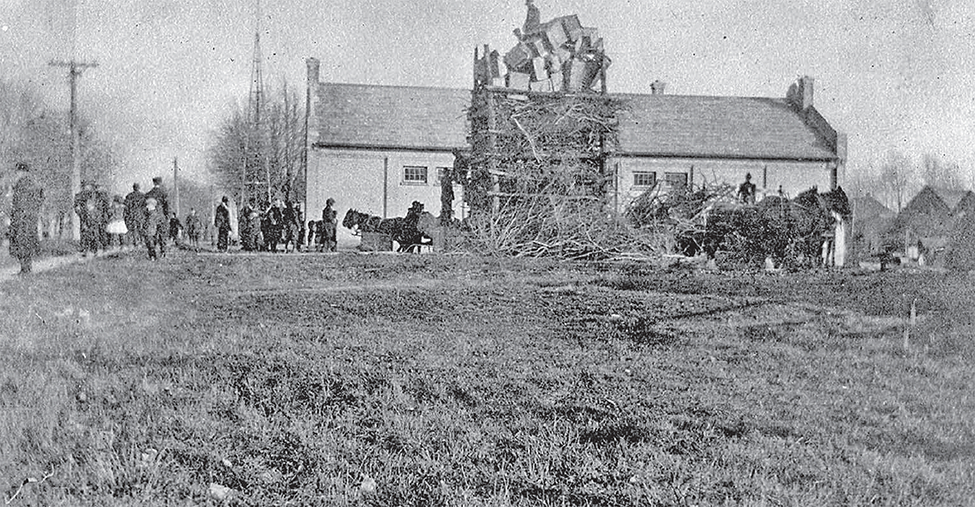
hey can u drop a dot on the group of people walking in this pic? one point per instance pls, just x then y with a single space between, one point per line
279 224
138 219
146 219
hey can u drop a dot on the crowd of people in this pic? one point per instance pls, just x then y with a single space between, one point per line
144 219
137 219
275 227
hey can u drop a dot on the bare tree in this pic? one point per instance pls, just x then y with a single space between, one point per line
251 159
898 178
939 174
32 132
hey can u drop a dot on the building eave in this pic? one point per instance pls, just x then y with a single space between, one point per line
380 148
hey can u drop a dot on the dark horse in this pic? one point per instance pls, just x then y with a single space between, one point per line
409 238
790 231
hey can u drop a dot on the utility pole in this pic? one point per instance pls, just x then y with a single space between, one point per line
176 185
74 72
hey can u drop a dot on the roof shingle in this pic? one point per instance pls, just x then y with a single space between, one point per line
420 118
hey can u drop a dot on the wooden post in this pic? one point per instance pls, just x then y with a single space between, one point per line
385 187
491 150
74 72
176 185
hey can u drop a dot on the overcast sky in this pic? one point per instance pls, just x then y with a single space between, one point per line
892 74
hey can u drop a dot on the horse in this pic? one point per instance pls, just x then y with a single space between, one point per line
798 231
409 238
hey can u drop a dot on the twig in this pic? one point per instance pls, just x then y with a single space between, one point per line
27 481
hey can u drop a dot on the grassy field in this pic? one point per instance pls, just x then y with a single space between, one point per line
442 380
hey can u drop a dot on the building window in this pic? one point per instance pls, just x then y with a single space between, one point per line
644 179
676 180
414 175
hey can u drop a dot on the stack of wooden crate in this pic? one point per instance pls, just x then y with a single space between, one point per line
560 55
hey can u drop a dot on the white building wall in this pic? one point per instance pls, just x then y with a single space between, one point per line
373 182
794 177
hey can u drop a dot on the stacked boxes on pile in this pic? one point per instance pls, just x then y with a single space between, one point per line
560 55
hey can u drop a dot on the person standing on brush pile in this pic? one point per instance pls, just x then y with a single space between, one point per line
532 19
221 221
88 208
154 229
27 199
135 213
746 191
328 227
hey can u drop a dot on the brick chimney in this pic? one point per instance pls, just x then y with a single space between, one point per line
311 121
657 87
313 69
800 94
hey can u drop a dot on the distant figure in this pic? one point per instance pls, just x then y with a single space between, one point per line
746 191
291 226
300 219
158 193
273 226
116 227
221 220
328 226
27 199
175 226
193 228
154 229
532 18
88 208
135 213
104 214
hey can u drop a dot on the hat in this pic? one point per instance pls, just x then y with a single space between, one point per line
23 167
225 199
157 180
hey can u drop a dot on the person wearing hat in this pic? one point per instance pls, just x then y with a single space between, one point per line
89 208
159 193
221 221
154 229
135 213
27 199
329 226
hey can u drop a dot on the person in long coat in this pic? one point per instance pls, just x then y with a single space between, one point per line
135 213
27 199
221 221
89 209
328 226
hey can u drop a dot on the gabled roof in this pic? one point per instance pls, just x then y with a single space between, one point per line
420 118
950 196
926 213
868 207
391 117
720 127
966 205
